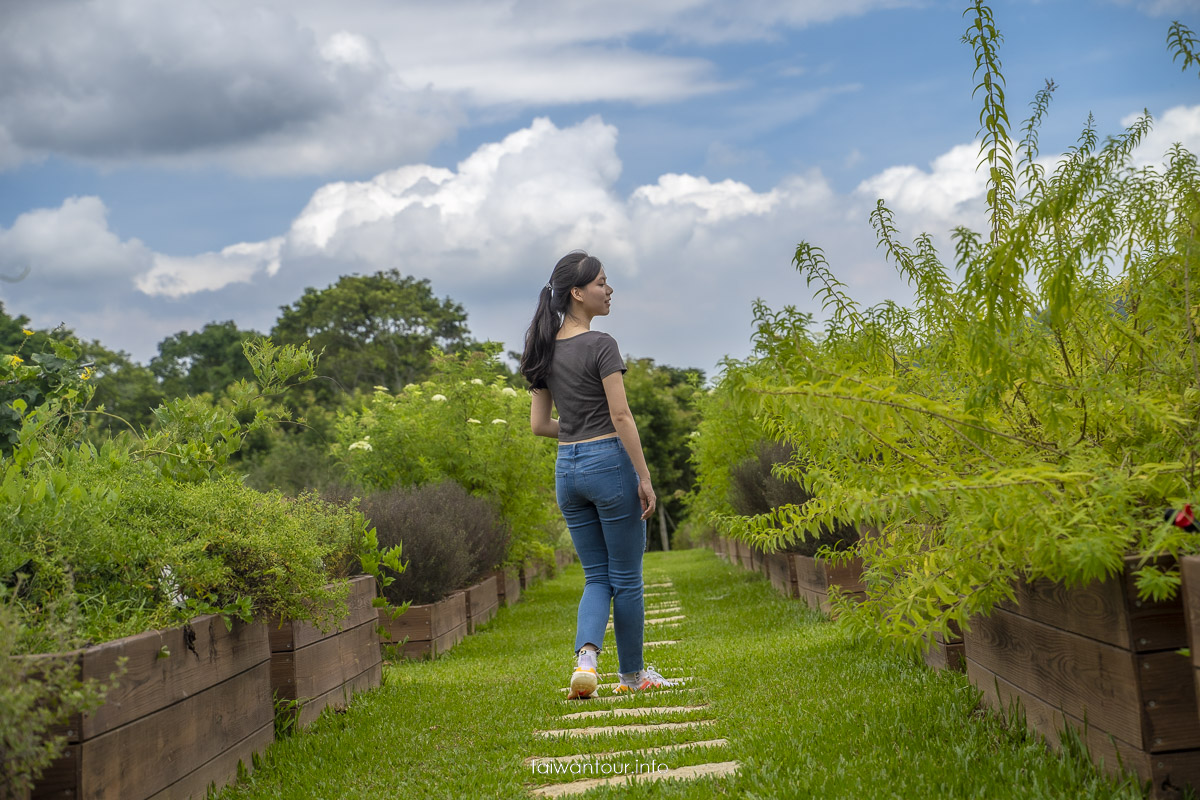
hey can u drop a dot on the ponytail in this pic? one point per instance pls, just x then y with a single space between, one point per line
576 268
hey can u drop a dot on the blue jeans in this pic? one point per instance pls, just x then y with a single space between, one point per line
597 494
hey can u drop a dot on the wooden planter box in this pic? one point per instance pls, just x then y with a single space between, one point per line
741 554
322 669
483 600
563 558
508 585
814 579
1096 652
721 547
782 573
947 652
430 629
194 702
531 573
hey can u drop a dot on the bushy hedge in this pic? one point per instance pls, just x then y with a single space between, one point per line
451 538
463 425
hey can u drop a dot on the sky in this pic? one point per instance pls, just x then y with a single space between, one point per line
166 165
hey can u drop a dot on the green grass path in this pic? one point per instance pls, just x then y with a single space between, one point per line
806 711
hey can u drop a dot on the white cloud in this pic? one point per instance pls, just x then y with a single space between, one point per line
946 192
178 277
686 255
308 87
1179 124
71 244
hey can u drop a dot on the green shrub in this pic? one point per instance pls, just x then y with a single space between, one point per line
451 538
755 488
464 425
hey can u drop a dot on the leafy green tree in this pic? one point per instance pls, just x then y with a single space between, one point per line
1030 421
660 398
374 330
207 360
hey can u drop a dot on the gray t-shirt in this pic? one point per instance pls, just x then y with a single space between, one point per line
577 371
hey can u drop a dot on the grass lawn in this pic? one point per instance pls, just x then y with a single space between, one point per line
806 711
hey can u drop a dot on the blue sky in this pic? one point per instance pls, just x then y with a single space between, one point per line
166 165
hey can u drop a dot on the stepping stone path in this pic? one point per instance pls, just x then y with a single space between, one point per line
622 772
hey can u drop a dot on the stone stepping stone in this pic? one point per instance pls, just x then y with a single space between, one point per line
603 729
681 773
649 751
661 643
659 620
613 698
676 681
644 711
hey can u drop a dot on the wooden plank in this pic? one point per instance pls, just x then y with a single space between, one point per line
432 648
148 755
483 599
358 608
779 572
1189 570
162 669
340 696
427 621
1153 625
220 771
1083 677
942 655
1170 717
810 574
324 665
60 780
1168 773
847 575
1105 750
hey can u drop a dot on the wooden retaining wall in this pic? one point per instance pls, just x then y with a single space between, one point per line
322 669
483 600
815 577
508 585
430 629
194 702
1096 653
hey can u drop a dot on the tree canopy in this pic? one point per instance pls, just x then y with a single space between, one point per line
375 330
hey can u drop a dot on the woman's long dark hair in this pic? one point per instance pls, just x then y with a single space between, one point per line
576 268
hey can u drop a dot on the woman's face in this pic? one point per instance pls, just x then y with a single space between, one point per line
594 297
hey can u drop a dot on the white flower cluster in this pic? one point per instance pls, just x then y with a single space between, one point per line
474 421
438 398
499 422
508 390
361 445
477 381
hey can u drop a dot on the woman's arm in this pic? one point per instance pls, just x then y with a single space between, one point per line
540 420
622 417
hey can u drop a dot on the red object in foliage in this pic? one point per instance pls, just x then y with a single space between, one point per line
1185 517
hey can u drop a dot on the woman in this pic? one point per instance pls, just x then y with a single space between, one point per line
601 479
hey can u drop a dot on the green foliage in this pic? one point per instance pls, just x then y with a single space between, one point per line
56 378
451 539
661 399
204 361
1030 420
37 695
192 436
373 329
464 425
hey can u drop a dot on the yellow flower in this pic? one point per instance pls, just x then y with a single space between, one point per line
87 373
14 360
26 331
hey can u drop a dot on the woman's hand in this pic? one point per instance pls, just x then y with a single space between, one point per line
646 495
